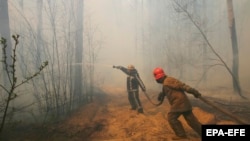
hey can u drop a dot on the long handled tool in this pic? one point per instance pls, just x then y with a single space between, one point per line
234 117
237 119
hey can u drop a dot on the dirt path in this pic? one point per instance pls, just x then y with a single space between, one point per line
109 118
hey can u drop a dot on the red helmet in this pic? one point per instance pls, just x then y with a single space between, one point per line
158 73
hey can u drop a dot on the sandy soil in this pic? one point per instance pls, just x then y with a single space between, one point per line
109 118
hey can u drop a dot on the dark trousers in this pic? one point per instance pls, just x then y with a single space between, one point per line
133 98
177 126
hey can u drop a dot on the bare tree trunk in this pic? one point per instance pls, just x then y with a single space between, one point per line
79 52
205 50
55 59
232 29
5 31
39 31
235 81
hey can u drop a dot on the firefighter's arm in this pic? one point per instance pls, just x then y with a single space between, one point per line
143 88
117 67
140 82
178 85
123 69
193 91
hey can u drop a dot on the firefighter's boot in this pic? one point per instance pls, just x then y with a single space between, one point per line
140 110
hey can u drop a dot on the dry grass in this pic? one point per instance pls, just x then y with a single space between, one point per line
108 118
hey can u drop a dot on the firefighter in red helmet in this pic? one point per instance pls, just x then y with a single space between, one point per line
175 90
133 83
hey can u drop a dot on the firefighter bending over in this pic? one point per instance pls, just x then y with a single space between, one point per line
175 90
133 83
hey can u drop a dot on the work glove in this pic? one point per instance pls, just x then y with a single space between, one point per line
160 96
116 67
144 90
196 93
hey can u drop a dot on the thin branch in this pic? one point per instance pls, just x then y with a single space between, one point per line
210 46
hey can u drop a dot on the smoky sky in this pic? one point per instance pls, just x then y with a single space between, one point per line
135 31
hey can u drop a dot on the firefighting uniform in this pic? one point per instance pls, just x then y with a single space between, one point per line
133 83
180 105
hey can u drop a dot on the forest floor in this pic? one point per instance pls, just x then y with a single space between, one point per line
109 118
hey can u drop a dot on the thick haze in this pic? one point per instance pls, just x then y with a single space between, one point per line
151 33
144 33
120 23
